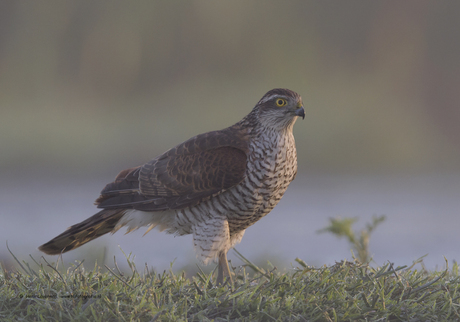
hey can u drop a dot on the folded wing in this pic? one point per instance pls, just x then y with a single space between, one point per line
193 171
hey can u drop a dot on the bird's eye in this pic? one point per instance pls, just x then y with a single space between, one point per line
281 102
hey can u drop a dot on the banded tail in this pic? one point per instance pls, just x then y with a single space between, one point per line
79 234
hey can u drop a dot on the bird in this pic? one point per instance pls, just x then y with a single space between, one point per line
214 185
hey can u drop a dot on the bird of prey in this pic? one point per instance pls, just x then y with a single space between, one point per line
214 185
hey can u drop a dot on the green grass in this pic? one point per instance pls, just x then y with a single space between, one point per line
346 291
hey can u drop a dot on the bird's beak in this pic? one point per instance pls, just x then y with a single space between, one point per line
300 112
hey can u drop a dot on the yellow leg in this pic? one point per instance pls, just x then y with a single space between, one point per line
224 270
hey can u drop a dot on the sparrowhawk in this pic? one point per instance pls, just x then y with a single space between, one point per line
214 185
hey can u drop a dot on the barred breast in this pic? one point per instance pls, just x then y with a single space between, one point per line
272 165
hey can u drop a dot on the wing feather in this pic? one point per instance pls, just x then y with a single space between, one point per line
195 170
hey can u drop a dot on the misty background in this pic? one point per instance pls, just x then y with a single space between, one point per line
90 88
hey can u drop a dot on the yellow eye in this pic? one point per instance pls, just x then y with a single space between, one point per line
281 102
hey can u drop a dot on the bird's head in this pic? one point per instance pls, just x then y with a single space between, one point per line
279 109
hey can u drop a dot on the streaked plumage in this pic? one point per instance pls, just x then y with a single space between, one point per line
214 185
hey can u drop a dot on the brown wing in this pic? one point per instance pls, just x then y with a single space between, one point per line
195 170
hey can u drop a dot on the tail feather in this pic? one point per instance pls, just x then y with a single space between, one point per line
79 234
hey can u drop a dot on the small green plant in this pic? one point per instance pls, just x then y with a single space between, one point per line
360 242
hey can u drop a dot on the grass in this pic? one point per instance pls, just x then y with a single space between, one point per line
346 291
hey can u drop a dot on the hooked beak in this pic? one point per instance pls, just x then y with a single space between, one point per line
300 112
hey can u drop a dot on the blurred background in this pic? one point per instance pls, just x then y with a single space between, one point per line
88 88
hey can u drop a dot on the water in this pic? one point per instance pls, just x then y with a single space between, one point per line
422 218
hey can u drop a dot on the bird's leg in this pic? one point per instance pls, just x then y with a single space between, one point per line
224 270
